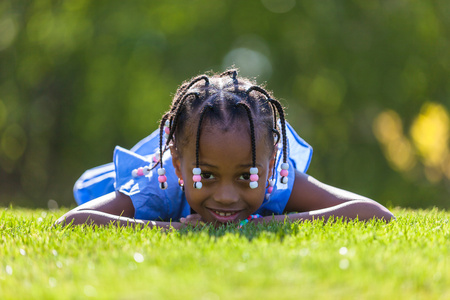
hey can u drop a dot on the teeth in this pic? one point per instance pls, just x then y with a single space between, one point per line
222 214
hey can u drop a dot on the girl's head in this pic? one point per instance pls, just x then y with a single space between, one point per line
222 131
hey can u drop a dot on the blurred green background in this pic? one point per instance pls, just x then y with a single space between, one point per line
366 83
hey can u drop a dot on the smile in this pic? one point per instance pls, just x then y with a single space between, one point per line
224 216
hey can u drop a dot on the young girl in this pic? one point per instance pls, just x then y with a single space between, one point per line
232 158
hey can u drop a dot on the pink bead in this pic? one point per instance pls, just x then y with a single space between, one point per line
270 189
197 178
284 173
162 178
254 177
155 158
167 130
140 172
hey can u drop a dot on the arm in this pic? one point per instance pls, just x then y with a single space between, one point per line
114 208
312 199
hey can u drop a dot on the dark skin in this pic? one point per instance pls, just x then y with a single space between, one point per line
226 190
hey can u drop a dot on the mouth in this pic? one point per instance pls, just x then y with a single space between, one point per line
224 216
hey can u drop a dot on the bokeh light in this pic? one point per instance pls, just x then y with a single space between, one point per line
398 150
251 63
429 143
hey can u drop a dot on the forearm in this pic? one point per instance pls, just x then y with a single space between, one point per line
93 217
363 210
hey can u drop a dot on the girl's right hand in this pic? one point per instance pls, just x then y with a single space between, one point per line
194 220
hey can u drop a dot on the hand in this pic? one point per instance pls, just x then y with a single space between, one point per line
194 220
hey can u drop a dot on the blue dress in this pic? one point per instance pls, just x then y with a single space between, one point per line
152 203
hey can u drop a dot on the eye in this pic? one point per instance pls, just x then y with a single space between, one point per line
207 176
245 176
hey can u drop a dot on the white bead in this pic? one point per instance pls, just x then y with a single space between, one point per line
285 166
267 196
166 136
198 185
253 170
146 170
161 171
253 184
163 185
196 171
271 182
134 173
284 180
167 123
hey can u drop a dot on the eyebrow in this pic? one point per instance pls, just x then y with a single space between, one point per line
250 165
215 167
205 165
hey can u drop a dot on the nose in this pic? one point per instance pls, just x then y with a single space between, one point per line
226 194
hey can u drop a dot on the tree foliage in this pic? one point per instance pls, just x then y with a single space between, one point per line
366 83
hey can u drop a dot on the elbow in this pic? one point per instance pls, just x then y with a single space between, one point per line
64 220
387 216
374 210
71 218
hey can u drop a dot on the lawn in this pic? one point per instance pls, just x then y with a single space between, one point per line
405 259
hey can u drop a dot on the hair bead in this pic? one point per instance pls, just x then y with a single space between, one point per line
270 188
284 173
163 185
141 171
254 177
167 130
161 171
197 178
181 183
146 170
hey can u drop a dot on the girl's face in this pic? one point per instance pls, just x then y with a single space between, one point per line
225 158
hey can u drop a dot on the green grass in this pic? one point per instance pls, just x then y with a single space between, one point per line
407 259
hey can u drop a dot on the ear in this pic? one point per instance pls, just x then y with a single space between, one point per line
176 160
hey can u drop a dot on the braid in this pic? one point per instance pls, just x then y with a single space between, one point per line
177 113
279 109
183 90
197 141
161 133
283 126
233 73
252 131
258 89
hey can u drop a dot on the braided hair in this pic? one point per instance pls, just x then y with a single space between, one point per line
220 98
